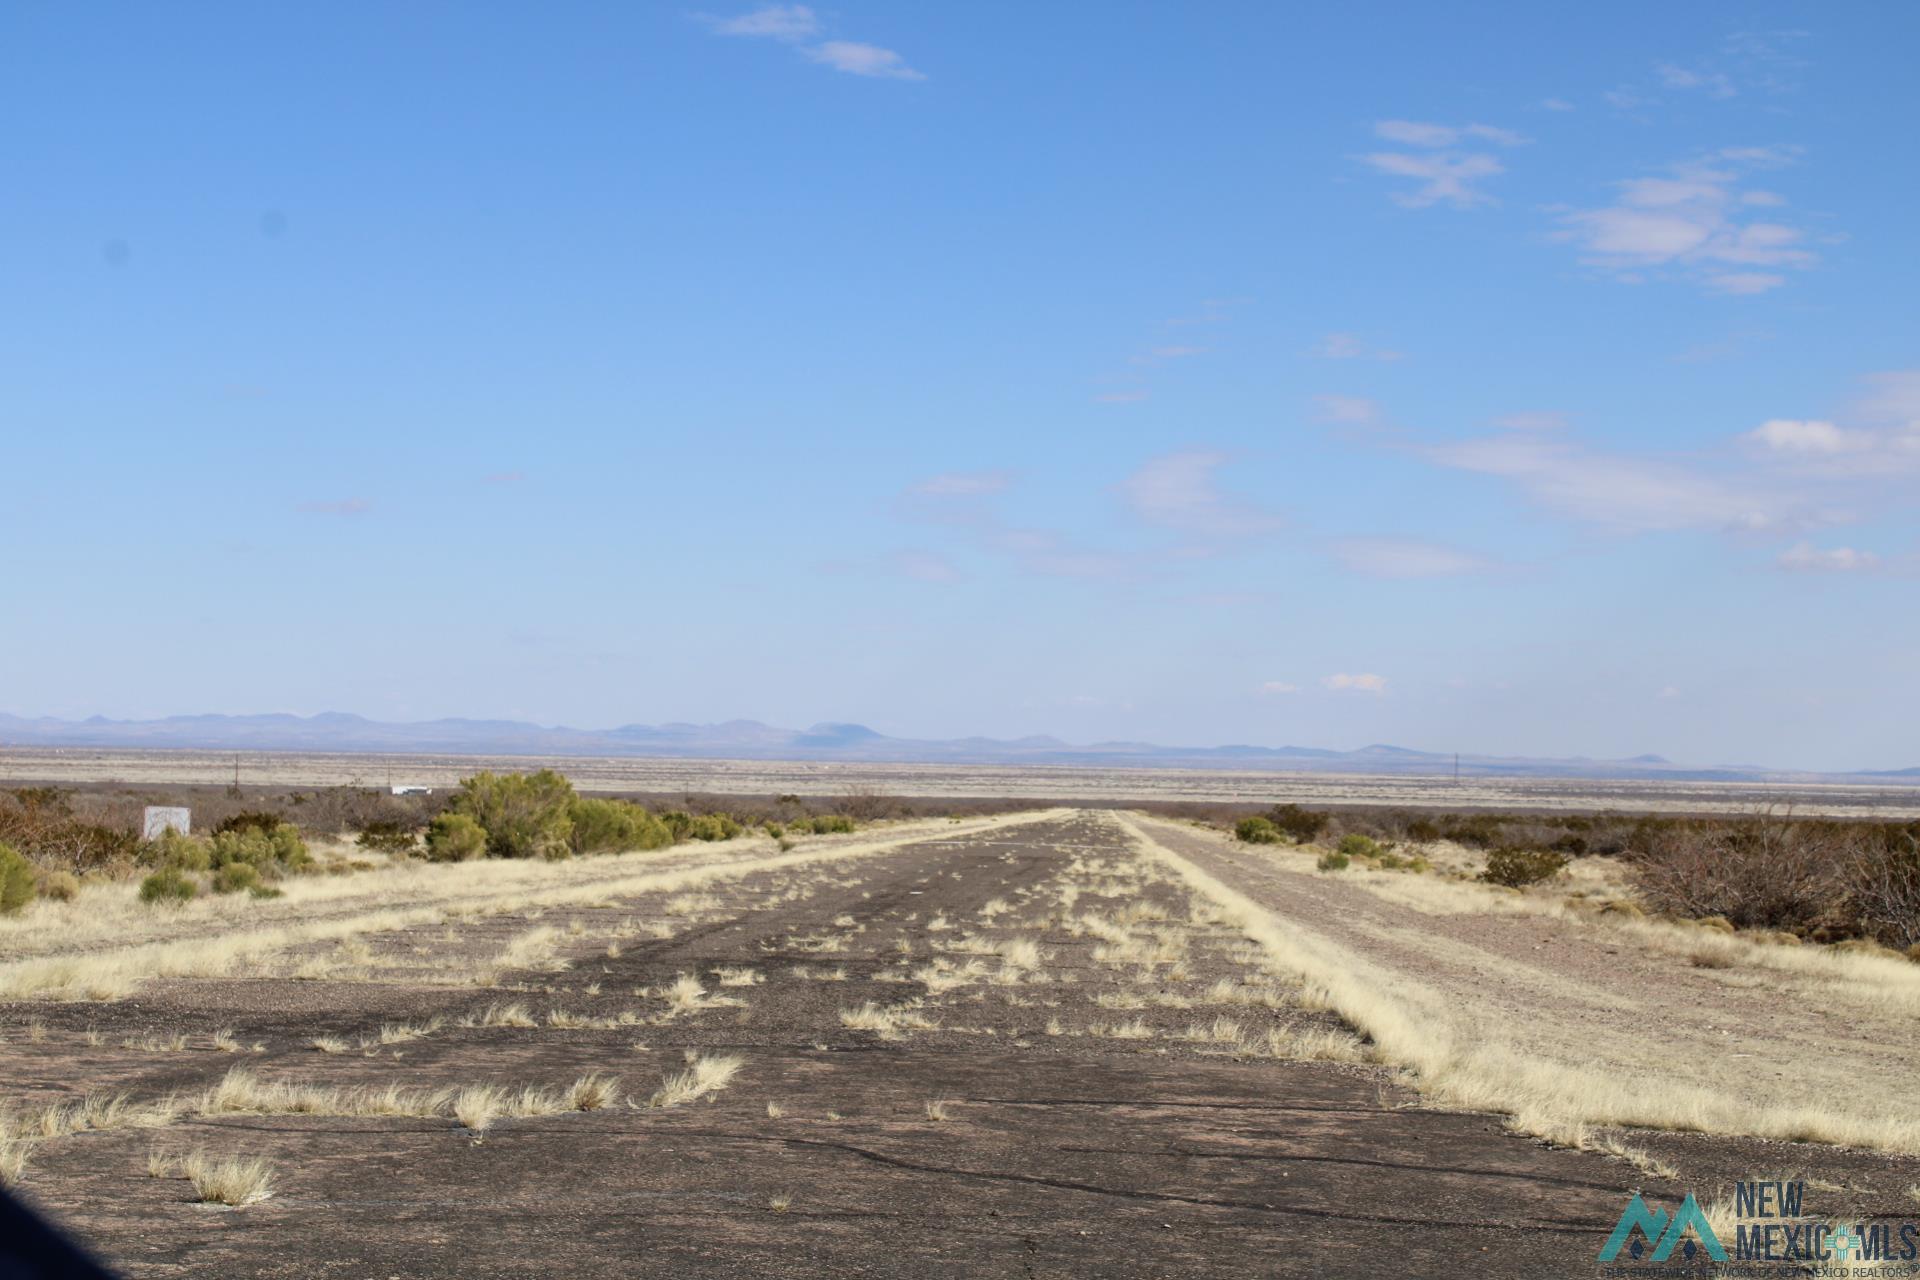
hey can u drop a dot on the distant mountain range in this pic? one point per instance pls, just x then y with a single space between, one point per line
335 731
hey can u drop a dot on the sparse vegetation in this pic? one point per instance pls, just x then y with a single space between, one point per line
455 837
18 885
169 885
1256 830
1518 868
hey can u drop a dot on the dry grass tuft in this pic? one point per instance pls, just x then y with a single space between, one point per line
889 1021
702 1078
234 1181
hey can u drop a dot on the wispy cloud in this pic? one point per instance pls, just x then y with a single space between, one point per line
788 22
1621 491
967 501
1352 411
1715 84
1407 558
1355 682
1349 346
1804 557
1446 169
1693 220
799 25
859 59
336 507
1179 491
1272 688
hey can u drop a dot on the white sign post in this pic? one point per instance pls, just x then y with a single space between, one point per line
159 818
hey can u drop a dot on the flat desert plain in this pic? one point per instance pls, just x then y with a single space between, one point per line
1060 783
1058 1043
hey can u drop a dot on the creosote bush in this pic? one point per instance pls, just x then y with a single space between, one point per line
1334 860
525 815
17 882
1301 824
1355 845
1256 830
388 835
614 826
1518 868
167 886
454 837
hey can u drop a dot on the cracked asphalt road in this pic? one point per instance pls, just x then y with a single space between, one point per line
1113 1101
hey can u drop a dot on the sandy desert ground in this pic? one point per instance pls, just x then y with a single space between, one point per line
1064 1043
20 765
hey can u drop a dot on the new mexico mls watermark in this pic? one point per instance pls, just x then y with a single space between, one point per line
1773 1234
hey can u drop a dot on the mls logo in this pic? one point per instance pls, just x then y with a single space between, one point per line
1662 1232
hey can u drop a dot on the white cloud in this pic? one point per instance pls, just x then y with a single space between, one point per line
796 24
1691 220
787 22
1415 133
1745 282
1406 558
1621 491
1272 687
1178 491
1447 173
1360 682
863 60
1716 84
1347 410
1790 435
1804 557
1815 447
1556 104
1443 179
1668 691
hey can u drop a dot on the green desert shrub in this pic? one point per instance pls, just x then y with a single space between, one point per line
1355 845
1301 824
454 837
270 851
1256 831
525 815
713 826
178 852
17 881
236 877
388 835
1334 860
830 824
1518 868
614 826
1422 830
249 820
167 885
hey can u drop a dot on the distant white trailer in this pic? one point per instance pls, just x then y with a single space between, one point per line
156 819
411 791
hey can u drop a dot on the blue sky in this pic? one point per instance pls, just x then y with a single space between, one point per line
1502 378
